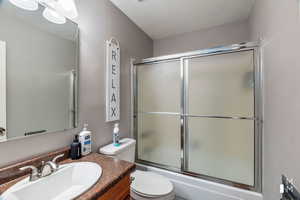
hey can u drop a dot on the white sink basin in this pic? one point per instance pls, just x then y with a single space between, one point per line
70 181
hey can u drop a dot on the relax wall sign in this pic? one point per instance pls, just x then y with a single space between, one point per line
112 80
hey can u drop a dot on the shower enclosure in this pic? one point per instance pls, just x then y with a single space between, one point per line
199 114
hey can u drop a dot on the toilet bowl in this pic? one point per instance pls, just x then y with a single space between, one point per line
145 185
149 185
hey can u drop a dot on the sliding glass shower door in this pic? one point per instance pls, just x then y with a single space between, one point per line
158 113
220 116
197 115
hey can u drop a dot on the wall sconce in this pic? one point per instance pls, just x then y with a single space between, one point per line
56 11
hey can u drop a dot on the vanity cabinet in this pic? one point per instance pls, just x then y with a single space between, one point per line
120 191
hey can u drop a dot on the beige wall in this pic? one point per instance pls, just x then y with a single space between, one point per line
278 24
98 21
221 35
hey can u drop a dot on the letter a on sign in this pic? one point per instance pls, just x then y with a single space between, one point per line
112 80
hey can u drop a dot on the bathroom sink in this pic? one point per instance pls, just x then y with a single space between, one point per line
70 181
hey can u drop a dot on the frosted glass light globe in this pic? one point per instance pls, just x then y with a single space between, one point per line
31 5
53 16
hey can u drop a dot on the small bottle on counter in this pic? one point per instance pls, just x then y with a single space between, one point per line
85 139
116 135
75 149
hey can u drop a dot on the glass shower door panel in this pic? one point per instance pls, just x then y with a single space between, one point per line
222 148
221 85
158 87
158 119
159 139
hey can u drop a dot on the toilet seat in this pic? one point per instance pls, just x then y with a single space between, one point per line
135 196
151 185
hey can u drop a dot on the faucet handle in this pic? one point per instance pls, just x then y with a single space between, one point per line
55 165
33 168
34 172
57 157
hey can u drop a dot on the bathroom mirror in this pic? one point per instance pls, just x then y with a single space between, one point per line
38 73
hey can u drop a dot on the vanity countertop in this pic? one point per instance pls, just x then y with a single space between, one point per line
113 170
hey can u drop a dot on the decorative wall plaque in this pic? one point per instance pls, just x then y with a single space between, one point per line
112 80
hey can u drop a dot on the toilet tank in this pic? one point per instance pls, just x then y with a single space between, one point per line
126 150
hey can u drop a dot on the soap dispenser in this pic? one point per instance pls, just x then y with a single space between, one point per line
85 139
75 149
116 135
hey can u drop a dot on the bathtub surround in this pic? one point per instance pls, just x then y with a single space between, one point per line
189 187
98 21
277 23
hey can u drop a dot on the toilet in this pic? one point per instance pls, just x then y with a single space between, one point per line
145 185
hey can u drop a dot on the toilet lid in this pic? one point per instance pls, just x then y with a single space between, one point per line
150 184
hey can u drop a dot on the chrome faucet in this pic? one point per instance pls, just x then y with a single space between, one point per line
50 166
46 169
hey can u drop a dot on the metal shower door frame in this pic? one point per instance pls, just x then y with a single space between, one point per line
3 125
258 114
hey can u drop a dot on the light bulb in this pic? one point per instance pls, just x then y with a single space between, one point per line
53 16
31 5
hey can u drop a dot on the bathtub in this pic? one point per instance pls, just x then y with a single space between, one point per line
190 188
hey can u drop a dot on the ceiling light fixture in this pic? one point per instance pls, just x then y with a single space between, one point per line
66 8
53 16
56 11
30 5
